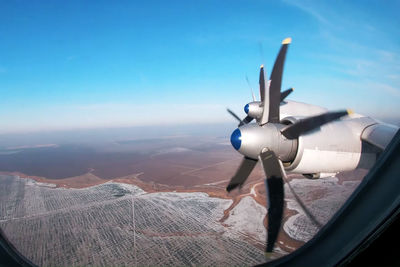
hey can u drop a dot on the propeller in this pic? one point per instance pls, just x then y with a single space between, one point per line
251 89
271 142
243 172
246 120
261 82
267 109
276 82
308 124
285 93
274 183
235 116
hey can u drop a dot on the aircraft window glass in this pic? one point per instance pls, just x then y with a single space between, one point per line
112 155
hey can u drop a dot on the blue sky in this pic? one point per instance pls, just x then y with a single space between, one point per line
87 64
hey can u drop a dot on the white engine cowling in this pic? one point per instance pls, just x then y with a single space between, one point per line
332 148
254 109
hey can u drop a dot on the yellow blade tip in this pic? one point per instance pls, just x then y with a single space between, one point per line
262 66
292 89
287 41
349 111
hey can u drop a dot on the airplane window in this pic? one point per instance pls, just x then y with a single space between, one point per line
116 148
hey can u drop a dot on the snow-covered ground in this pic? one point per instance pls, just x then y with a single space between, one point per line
120 224
33 182
247 217
323 197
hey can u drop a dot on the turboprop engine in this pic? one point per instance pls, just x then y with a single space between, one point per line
271 141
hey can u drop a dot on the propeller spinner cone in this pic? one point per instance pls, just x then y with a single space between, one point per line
236 139
246 109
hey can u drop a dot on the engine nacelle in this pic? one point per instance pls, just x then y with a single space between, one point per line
332 148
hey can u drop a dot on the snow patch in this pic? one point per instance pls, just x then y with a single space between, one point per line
32 182
323 205
247 217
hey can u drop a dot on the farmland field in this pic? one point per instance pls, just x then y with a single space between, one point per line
119 224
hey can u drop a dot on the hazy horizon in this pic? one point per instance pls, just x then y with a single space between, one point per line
95 135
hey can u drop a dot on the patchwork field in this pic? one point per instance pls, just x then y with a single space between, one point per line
153 202
122 225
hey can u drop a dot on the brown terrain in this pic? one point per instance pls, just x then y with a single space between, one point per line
205 167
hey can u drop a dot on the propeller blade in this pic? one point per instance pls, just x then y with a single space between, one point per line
261 81
265 105
274 183
293 131
251 89
242 173
276 82
235 116
285 93
303 206
247 120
